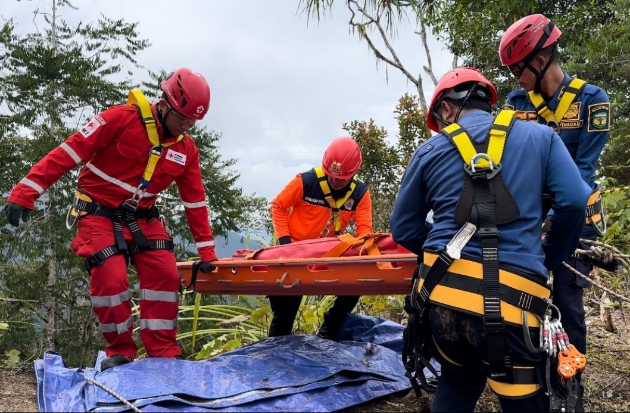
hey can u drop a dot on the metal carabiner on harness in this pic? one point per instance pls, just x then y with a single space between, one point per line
132 203
478 157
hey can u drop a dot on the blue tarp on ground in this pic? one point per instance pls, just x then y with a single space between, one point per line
293 373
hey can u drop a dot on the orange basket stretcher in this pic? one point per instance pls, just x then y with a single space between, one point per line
330 274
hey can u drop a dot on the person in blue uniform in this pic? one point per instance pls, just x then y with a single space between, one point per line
523 159
580 113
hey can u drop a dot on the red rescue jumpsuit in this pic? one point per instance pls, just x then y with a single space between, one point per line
114 148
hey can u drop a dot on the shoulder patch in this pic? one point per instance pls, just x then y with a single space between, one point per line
92 126
599 117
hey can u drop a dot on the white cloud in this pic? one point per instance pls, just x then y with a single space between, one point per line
281 86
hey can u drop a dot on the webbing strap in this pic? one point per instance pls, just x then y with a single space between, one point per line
368 241
483 216
570 93
335 205
497 136
137 99
99 257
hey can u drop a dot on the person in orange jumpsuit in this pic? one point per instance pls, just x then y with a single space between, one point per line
319 203
115 213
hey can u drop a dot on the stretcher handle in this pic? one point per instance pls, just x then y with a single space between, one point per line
227 263
281 283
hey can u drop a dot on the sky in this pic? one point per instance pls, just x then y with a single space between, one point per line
282 86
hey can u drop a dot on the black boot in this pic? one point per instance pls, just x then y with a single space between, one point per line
336 316
113 361
325 333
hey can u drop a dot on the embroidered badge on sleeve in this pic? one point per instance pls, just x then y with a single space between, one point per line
599 117
92 126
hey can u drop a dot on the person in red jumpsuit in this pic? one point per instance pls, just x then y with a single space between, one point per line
117 217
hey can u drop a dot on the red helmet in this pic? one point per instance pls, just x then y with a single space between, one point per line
187 92
342 158
453 78
526 37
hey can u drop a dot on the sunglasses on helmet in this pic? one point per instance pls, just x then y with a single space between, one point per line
517 69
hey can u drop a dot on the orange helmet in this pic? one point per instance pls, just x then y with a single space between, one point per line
445 89
526 37
342 158
187 92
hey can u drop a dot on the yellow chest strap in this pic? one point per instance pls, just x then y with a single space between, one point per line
571 91
137 98
334 205
497 136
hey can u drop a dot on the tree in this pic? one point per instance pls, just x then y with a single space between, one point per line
381 17
384 163
51 81
49 78
594 46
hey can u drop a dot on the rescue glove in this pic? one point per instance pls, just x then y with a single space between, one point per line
546 227
14 212
206 266
284 240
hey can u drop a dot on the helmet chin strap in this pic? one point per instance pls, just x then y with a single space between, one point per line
540 75
162 119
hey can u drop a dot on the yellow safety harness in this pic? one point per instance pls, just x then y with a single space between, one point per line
594 212
128 211
335 205
481 288
137 99
498 134
570 93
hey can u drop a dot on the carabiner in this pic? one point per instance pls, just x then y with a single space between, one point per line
478 157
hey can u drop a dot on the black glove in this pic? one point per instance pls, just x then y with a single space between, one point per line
546 227
284 240
14 212
207 266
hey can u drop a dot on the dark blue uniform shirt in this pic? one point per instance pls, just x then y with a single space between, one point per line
534 157
584 128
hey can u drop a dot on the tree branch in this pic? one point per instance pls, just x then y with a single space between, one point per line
429 66
395 60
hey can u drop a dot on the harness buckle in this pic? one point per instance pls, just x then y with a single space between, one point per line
132 203
487 233
493 324
555 126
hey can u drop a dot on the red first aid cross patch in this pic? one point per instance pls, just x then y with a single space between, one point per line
91 126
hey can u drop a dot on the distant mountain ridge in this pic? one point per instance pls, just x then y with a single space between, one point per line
226 246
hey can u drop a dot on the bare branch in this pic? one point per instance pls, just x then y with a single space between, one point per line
429 66
394 61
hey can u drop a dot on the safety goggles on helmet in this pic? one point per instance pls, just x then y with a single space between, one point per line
475 91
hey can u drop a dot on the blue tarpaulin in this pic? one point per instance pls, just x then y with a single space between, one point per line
292 373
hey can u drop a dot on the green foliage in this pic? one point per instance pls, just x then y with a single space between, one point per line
384 163
379 168
13 358
52 81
